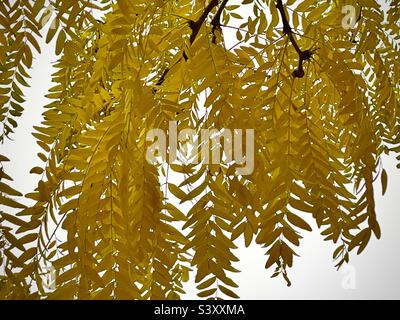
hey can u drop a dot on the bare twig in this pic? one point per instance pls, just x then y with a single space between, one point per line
287 29
196 26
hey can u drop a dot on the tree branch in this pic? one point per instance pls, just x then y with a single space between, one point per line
286 26
216 21
287 29
196 26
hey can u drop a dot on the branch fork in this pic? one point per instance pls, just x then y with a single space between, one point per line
196 26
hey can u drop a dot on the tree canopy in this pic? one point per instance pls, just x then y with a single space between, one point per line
319 86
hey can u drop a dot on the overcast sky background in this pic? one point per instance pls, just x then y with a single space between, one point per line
373 275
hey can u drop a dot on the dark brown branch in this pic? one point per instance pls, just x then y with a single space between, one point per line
195 26
287 29
286 26
162 78
216 21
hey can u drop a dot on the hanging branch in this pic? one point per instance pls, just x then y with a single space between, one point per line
216 21
196 26
287 29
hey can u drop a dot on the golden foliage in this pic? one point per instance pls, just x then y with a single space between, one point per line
323 101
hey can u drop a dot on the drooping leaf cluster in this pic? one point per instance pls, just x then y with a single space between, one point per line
323 101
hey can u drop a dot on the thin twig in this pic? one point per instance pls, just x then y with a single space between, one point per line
195 26
287 29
